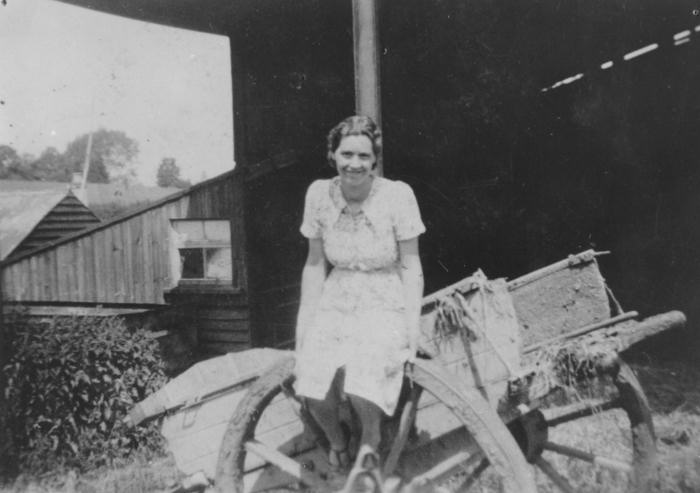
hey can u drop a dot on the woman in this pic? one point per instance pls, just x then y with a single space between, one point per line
358 324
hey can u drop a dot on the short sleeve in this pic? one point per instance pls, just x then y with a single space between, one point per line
311 223
407 220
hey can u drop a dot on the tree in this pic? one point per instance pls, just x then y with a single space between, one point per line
168 174
112 155
11 165
50 166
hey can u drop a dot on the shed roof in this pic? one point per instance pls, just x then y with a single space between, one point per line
21 211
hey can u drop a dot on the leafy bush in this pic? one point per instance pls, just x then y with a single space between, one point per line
70 384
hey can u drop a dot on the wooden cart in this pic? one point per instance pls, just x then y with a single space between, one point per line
519 388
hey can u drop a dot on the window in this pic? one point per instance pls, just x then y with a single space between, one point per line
203 249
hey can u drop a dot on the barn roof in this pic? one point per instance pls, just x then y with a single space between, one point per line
21 211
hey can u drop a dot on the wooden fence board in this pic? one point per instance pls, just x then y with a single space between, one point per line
118 264
98 265
89 271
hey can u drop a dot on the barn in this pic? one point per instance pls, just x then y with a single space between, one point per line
528 132
186 259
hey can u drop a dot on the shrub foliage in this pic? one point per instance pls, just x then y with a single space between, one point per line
70 384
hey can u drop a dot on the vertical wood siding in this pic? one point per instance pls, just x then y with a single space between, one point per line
126 261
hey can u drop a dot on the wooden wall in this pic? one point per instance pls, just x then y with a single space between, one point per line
126 260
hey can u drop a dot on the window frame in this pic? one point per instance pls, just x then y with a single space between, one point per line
179 243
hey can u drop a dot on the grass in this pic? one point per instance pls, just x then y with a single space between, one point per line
671 387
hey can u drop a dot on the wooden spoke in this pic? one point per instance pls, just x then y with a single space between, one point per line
474 476
556 478
408 416
588 457
284 463
461 460
581 410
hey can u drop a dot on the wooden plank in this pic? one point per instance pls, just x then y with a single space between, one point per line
108 265
75 260
80 267
128 260
63 264
9 283
11 290
216 336
138 260
118 264
166 275
148 227
226 325
223 313
157 242
98 239
34 278
89 270
52 256
41 279
21 281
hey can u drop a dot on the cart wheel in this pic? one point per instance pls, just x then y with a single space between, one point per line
450 439
457 440
270 413
600 438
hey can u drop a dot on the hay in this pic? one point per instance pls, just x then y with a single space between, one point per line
574 364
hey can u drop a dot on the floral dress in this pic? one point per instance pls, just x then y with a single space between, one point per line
359 324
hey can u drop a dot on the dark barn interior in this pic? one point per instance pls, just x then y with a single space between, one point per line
508 177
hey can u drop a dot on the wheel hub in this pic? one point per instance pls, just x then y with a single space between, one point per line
531 433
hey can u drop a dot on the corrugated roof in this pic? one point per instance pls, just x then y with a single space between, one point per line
21 211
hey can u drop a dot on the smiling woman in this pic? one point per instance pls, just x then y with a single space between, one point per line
73 70
358 323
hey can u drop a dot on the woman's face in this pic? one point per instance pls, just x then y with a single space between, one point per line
354 160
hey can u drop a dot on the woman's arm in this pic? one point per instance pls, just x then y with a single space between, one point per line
312 278
412 279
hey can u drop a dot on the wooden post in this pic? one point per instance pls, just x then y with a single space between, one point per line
366 51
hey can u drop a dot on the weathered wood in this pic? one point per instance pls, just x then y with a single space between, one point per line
233 313
225 334
582 331
366 56
118 264
88 260
98 252
571 261
630 333
563 300
147 245
34 287
128 262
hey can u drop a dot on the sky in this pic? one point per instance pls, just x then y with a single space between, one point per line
66 70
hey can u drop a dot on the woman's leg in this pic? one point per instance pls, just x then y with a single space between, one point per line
325 412
370 418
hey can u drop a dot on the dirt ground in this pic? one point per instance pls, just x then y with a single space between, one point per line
672 387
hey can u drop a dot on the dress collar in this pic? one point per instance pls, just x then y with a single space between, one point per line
341 204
